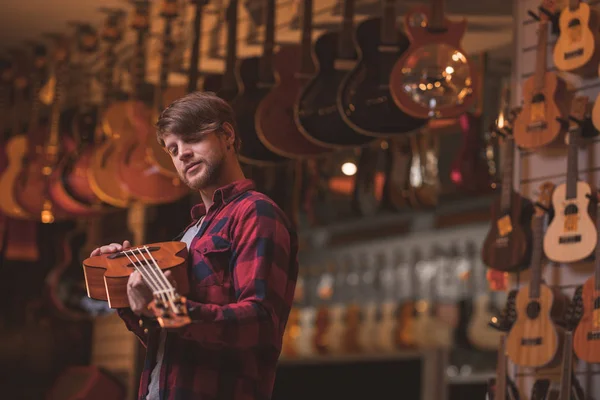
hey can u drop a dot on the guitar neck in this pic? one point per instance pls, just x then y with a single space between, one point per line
266 61
507 172
52 143
566 379
597 254
536 257
436 22
541 56
388 23
306 42
572 163
229 82
138 74
346 42
195 51
501 370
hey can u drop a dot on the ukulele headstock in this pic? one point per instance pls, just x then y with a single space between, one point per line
172 313
544 198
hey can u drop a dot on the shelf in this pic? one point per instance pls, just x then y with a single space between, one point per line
471 379
349 358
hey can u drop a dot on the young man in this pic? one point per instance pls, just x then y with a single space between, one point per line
242 270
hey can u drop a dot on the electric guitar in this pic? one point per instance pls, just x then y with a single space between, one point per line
576 49
420 80
587 334
507 243
544 98
316 112
534 339
572 236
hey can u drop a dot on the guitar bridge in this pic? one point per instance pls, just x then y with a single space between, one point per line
537 126
569 239
573 54
593 336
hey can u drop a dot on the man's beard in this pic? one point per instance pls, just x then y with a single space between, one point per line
208 177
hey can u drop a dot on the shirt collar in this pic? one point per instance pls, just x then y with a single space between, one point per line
224 195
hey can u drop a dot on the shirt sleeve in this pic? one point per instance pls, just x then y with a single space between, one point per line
261 248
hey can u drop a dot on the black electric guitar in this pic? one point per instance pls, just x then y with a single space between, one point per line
316 112
364 99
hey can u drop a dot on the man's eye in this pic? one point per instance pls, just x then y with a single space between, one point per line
172 151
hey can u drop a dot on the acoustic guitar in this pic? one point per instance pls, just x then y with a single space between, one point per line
20 145
572 236
534 339
434 77
32 185
576 49
507 244
587 333
363 99
246 83
544 98
316 112
274 118
133 162
397 191
424 173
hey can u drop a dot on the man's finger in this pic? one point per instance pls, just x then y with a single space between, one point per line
126 244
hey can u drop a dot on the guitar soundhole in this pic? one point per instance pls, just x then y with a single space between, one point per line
533 310
538 98
597 303
571 209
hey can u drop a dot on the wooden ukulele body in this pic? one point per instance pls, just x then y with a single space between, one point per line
576 49
510 252
16 149
443 44
586 339
106 275
363 99
245 103
316 112
405 331
534 340
275 123
560 240
536 125
479 333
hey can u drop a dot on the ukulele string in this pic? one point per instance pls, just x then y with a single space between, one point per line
150 280
170 289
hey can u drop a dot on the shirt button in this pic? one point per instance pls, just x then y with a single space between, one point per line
141 323
146 331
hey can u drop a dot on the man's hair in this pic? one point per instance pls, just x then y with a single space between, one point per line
194 115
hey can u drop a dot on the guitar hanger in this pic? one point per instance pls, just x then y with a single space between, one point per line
552 16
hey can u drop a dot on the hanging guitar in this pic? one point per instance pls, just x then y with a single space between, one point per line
572 235
363 98
315 112
544 98
274 118
434 77
534 339
507 245
106 279
576 49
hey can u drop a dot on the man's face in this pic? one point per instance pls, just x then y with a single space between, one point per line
199 163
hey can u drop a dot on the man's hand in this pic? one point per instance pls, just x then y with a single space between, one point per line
139 294
110 248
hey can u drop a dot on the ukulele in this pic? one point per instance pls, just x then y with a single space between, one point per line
406 277
274 118
368 328
363 98
307 315
397 192
420 79
507 244
502 387
337 311
534 339
572 236
316 112
424 174
246 83
324 293
368 189
386 288
543 98
576 48
587 334
352 320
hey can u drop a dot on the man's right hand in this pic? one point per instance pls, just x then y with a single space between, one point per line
110 248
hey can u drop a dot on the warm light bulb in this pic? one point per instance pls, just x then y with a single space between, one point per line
349 168
449 70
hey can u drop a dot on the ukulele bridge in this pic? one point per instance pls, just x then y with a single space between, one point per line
536 341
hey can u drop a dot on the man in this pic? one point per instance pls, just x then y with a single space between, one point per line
242 270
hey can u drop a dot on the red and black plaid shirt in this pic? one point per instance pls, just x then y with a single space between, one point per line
242 269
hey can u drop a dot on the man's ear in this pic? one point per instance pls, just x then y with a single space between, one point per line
229 133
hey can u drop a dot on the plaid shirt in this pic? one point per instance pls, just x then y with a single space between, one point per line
242 270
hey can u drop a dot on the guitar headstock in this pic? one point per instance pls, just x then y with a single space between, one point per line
549 6
544 198
112 29
169 9
140 17
172 314
577 113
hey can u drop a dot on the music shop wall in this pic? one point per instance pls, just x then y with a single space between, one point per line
532 168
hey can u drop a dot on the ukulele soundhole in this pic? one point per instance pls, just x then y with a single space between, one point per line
533 310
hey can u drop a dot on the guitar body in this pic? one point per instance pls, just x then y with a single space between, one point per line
386 327
571 235
586 339
533 341
576 49
405 331
351 336
469 170
511 252
274 119
321 327
16 149
397 191
479 333
245 104
363 99
439 47
536 125
336 329
316 112
368 330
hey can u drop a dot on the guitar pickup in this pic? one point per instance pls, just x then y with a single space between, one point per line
569 239
537 126
575 53
531 341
